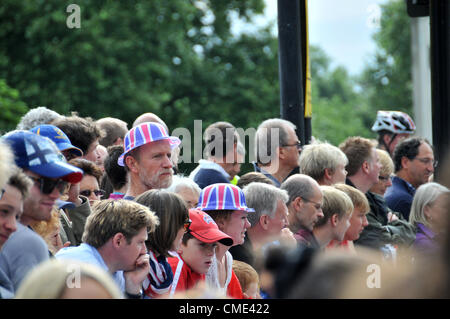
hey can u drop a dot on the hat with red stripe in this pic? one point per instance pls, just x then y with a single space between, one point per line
205 229
145 133
223 196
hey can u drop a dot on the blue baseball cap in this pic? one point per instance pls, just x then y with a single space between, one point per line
60 138
40 155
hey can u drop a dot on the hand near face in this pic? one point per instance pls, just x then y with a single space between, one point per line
135 277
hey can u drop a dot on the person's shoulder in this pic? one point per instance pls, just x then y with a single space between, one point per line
79 253
25 239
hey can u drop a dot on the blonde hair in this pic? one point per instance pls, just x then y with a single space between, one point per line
245 273
387 165
318 156
110 217
46 229
6 161
50 279
357 197
334 202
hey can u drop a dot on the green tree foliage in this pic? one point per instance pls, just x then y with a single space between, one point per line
337 109
387 80
11 107
169 57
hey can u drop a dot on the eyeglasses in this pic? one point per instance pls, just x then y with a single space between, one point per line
384 178
48 185
186 225
317 206
427 161
2 191
297 144
97 192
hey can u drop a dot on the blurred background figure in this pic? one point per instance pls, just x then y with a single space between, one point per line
392 127
37 116
60 279
429 215
385 178
89 185
187 189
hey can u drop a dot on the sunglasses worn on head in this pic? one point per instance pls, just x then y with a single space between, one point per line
97 192
48 185
186 225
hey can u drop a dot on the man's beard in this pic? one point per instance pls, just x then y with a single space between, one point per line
156 182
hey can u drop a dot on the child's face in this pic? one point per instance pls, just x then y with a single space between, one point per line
342 225
252 290
198 255
236 227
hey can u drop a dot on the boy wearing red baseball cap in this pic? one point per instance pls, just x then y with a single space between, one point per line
196 252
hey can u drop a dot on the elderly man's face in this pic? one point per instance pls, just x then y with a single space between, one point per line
154 165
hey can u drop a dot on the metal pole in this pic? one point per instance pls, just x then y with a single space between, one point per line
440 78
291 64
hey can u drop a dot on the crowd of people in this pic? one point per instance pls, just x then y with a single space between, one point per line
92 209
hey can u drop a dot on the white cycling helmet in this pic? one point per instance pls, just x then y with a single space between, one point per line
394 121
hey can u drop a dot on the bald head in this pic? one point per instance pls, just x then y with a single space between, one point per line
300 185
149 117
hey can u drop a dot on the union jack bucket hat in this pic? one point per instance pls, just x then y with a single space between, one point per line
143 134
40 155
223 196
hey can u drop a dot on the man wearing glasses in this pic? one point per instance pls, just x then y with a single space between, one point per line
304 206
414 164
277 149
41 161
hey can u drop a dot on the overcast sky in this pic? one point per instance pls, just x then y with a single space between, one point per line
343 28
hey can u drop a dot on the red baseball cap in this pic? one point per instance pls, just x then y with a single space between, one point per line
205 229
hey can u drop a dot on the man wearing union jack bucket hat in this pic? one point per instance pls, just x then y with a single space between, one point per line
146 157
225 203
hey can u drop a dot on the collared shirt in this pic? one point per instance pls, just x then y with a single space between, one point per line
306 238
425 240
89 254
267 174
208 172
184 277
399 196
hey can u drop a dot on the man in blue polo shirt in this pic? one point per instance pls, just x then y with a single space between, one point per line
414 164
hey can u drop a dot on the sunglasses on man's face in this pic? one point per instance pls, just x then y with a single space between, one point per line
48 185
97 192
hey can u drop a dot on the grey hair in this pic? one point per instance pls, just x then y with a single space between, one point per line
181 182
318 156
37 116
425 195
299 185
264 148
263 198
240 148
